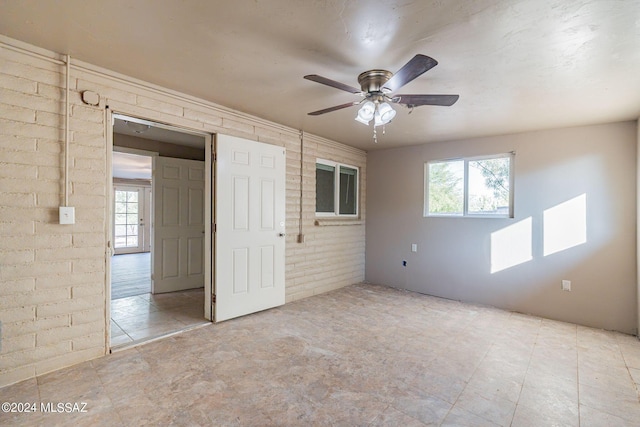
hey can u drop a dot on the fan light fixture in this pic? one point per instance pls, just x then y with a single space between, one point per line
376 87
366 112
381 113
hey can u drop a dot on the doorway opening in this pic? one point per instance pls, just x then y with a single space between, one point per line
160 263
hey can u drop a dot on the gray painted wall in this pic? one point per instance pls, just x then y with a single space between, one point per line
454 254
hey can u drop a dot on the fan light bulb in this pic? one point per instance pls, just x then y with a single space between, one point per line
366 112
384 114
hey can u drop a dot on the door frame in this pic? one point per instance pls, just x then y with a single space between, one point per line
209 250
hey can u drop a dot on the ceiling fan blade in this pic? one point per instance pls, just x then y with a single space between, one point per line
337 107
418 65
417 100
325 81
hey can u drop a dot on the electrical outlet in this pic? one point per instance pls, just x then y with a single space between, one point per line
566 285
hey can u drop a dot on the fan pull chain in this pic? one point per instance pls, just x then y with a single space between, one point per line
375 135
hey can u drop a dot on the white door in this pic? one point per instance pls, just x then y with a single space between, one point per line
178 224
128 219
250 226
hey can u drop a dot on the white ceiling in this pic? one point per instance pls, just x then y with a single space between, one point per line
517 65
131 166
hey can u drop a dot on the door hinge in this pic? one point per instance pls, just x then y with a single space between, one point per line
214 157
215 228
213 298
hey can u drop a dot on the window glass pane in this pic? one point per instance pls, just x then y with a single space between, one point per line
132 196
348 186
446 187
489 186
325 188
121 196
121 207
121 219
132 219
120 230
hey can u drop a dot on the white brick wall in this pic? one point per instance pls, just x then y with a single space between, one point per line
52 277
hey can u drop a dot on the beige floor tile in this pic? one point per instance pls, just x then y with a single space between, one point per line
590 417
427 409
461 418
148 316
536 416
620 402
121 340
491 408
362 355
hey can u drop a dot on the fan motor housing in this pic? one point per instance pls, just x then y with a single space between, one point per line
374 80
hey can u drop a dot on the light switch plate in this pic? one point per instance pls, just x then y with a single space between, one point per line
414 247
67 215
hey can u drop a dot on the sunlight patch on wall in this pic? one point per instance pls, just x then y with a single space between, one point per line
511 245
565 225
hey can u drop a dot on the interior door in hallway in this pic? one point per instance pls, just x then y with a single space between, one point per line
250 222
178 222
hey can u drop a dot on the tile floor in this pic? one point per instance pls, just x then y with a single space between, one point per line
146 316
362 355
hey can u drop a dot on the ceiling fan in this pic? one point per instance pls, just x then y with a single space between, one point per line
376 90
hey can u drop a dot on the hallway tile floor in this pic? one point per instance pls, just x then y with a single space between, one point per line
360 356
147 316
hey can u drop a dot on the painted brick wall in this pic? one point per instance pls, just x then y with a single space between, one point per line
52 277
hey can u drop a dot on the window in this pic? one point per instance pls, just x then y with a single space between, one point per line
336 189
478 186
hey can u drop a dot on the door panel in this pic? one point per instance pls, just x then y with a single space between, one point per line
178 249
250 221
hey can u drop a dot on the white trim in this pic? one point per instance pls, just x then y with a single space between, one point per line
109 250
209 241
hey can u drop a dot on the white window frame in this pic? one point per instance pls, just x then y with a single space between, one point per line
465 210
336 190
